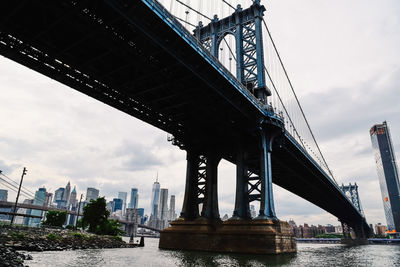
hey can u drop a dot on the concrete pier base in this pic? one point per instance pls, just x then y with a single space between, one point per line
239 236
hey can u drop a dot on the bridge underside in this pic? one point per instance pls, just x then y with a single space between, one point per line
123 54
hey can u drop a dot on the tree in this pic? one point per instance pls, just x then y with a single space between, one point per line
55 218
95 215
111 227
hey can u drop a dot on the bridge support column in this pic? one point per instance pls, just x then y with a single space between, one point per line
267 208
356 235
210 206
242 209
190 208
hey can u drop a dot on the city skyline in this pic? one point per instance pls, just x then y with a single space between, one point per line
57 132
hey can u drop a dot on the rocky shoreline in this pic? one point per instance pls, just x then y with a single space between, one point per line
14 239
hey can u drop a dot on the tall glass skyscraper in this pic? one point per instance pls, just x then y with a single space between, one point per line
155 198
92 193
117 204
163 206
39 200
123 196
134 199
388 175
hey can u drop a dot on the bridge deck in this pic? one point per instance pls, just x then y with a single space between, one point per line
134 59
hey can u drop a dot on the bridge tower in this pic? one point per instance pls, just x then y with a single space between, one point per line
246 27
351 192
200 213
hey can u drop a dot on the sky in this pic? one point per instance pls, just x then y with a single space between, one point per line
342 57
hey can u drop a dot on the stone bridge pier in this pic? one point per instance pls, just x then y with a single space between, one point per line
200 227
131 217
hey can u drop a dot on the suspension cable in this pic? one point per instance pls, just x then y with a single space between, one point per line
229 5
201 14
297 100
230 50
185 21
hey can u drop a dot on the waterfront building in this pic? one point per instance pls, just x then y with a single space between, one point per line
155 198
172 214
380 229
91 193
387 173
123 196
134 199
306 231
3 195
117 204
40 200
329 228
67 193
163 207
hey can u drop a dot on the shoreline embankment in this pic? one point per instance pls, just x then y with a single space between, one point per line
24 239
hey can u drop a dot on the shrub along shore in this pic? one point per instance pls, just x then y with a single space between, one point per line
44 239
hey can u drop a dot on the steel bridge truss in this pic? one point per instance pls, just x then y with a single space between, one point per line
351 191
245 26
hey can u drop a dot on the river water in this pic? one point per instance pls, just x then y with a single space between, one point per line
150 255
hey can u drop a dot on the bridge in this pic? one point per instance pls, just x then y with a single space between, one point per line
140 59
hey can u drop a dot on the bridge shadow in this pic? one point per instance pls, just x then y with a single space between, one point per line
200 258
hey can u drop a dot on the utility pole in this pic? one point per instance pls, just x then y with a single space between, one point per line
79 208
16 200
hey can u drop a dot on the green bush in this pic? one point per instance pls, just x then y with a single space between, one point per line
17 235
55 218
52 236
77 235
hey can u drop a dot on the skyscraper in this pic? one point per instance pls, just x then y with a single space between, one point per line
172 214
123 196
3 195
117 204
39 200
163 207
58 194
92 193
134 199
67 193
72 198
155 198
388 175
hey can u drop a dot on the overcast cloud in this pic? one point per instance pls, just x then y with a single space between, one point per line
343 60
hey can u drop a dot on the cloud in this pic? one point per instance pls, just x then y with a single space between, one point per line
137 157
8 168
